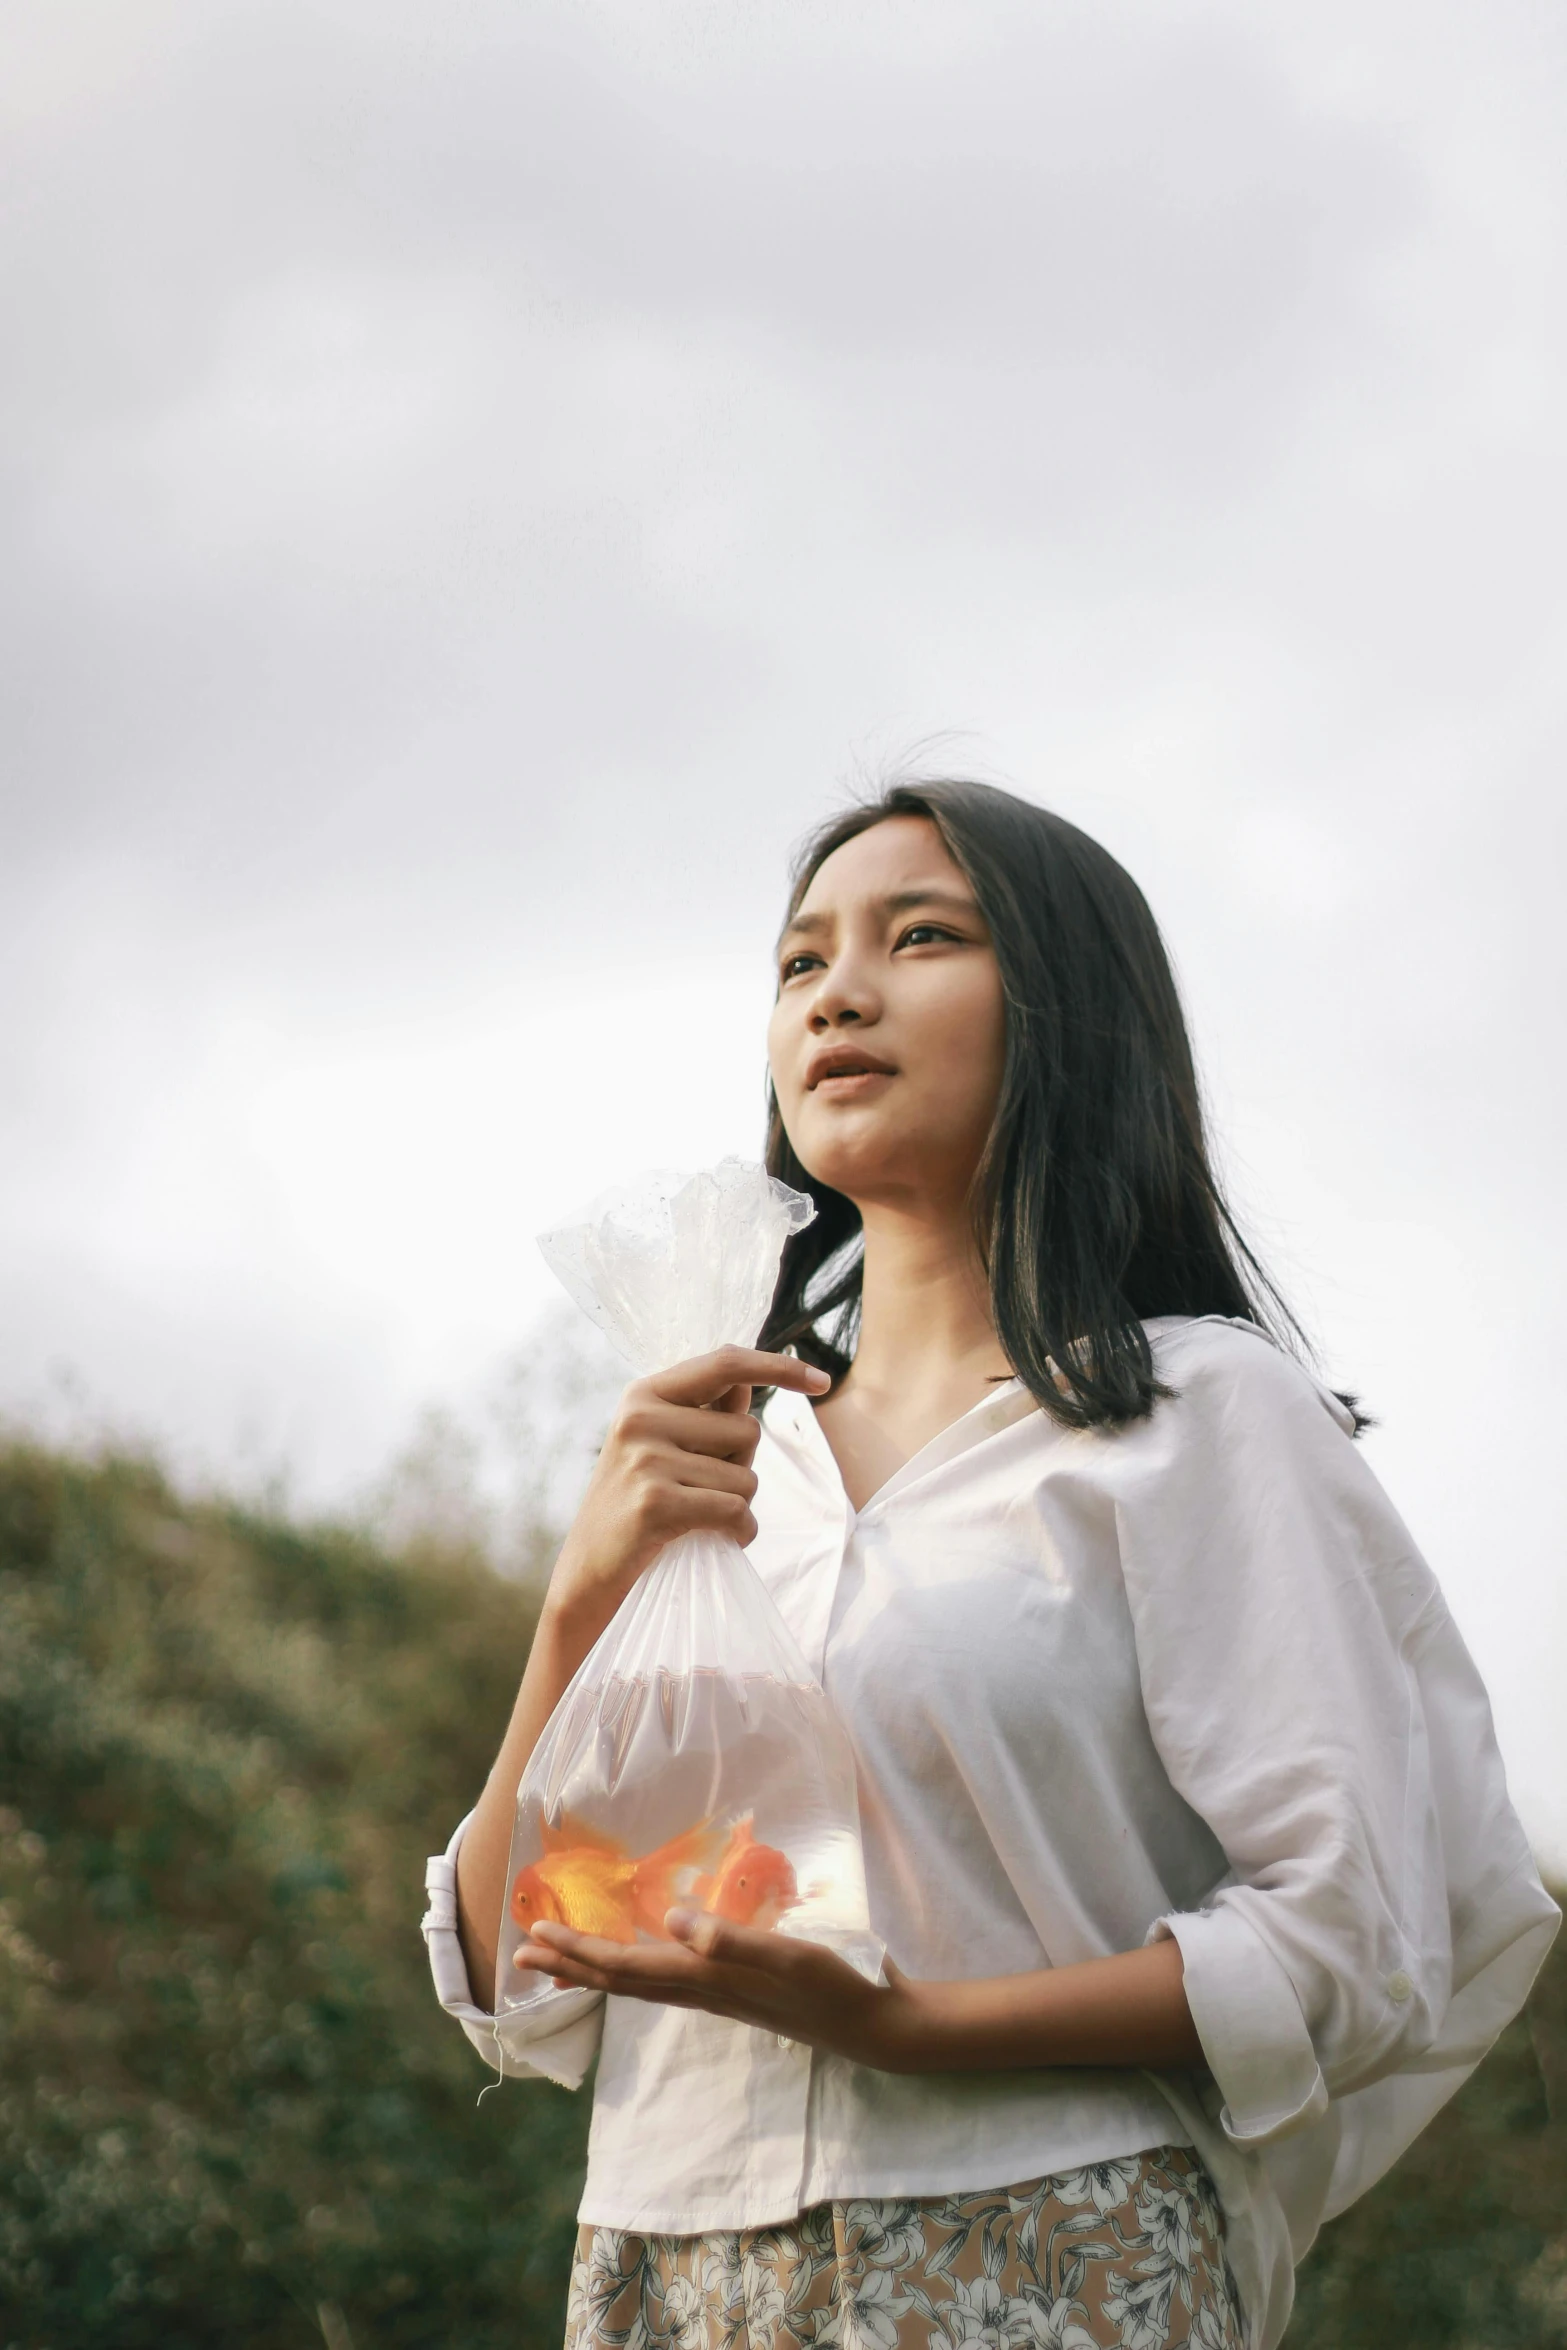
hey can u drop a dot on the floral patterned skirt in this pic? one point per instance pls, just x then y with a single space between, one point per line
1122 2255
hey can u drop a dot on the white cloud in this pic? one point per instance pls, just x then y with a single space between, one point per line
472 484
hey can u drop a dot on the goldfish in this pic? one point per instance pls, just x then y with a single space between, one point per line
590 1882
753 1884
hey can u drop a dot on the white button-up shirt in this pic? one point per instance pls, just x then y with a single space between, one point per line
1190 1678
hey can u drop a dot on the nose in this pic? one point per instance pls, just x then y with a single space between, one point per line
844 997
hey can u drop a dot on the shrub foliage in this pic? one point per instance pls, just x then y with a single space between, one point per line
230 2111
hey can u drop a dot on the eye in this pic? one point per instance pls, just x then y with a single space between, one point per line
921 934
793 965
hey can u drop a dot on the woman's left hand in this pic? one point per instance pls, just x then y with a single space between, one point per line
1130 2009
796 1989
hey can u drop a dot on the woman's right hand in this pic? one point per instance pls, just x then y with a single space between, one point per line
676 1460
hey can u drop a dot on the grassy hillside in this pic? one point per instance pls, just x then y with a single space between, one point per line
1463 2246
231 2116
230 2112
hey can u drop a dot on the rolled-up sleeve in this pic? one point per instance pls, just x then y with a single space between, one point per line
1249 2020
554 2040
1289 1642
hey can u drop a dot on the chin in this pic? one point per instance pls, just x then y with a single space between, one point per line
864 1167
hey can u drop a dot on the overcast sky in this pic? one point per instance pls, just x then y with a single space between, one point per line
479 481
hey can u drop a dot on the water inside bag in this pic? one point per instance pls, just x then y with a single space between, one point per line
686 1788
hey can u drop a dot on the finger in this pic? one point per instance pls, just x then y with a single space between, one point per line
568 1970
719 1943
589 1979
655 1457
706 1379
777 1974
690 1510
711 1990
556 1941
694 1929
719 1434
738 1399
538 1956
642 1970
703 1998
704 1953
702 1475
634 1962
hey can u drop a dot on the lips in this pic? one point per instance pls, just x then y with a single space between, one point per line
845 1061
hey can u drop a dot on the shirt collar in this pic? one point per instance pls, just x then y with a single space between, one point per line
792 1422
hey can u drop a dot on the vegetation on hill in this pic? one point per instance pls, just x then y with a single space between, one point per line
230 2112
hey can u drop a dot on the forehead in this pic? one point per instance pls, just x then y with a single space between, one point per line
900 854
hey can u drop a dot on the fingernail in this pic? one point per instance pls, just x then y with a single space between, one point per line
820 1378
682 1923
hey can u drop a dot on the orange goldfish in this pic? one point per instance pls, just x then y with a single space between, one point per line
754 1883
588 1881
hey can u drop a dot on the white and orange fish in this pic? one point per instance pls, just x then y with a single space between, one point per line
753 1884
589 1881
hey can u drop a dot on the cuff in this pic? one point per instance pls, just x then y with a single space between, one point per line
1249 2021
555 2039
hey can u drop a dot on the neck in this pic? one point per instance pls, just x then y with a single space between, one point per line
925 1307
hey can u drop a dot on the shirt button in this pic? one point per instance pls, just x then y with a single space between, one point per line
1399 1986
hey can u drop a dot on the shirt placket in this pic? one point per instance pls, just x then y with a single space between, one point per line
848 1530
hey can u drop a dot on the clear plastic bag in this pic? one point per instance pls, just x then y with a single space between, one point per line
694 1758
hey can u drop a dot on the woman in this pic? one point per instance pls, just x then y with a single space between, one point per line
1184 1821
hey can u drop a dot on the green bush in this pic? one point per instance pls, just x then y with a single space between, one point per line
1463 2246
230 2111
231 2115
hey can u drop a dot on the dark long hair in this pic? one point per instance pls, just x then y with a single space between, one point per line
1095 1204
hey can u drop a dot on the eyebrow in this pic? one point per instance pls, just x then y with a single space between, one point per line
902 901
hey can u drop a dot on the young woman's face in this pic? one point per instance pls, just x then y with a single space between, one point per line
888 1037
